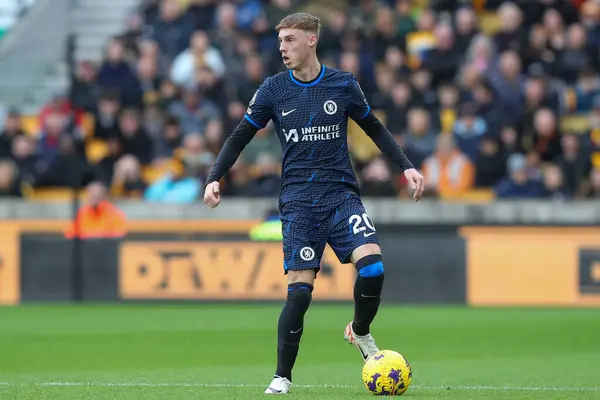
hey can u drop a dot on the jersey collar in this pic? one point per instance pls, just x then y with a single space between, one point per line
310 83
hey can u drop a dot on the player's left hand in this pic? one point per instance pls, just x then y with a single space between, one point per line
416 182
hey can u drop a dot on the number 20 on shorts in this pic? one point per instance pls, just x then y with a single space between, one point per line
360 223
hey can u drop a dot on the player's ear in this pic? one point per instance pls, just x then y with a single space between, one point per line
312 40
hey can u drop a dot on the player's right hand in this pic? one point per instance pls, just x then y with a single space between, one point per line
212 196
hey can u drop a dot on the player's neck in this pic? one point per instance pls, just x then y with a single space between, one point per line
308 72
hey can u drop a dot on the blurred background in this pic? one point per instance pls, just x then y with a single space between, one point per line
113 112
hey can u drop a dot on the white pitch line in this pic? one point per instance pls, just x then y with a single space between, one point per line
239 385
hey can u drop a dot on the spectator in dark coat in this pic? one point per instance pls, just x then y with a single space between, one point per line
518 185
116 74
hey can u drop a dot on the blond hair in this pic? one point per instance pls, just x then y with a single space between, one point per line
303 21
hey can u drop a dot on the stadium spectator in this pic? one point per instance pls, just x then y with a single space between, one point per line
171 139
397 107
98 218
448 171
12 129
106 116
554 185
195 157
512 35
106 166
266 181
593 191
574 163
468 130
199 53
442 61
85 90
466 28
377 179
149 81
127 181
26 159
546 140
448 110
67 168
507 83
490 162
117 74
55 128
178 186
265 141
173 28
193 111
419 140
154 120
9 179
518 184
135 140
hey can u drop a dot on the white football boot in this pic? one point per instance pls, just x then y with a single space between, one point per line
279 385
365 344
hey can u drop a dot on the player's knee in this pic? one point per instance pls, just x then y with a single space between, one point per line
370 266
300 290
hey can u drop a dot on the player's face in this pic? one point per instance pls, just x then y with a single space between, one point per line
295 46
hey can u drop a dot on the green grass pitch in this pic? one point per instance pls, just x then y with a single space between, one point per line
200 351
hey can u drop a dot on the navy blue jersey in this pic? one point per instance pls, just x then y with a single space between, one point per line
311 121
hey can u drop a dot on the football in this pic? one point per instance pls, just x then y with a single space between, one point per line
387 373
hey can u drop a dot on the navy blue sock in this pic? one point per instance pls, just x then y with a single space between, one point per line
291 326
367 292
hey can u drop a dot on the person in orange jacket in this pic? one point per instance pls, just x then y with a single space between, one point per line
99 218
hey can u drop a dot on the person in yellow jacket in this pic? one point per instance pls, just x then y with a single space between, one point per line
269 230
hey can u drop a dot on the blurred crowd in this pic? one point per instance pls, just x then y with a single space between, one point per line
483 94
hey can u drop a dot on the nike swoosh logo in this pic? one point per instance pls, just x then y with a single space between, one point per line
368 296
284 113
364 356
274 390
296 331
368 234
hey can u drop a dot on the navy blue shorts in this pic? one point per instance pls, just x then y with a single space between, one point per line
306 231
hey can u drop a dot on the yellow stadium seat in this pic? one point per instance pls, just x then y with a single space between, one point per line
87 125
479 195
596 160
489 23
58 194
578 123
96 150
30 124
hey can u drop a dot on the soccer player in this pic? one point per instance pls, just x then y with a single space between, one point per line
319 202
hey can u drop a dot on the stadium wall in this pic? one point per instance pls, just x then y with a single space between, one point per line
213 260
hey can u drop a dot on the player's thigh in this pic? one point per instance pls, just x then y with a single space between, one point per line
304 241
364 250
302 276
353 234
